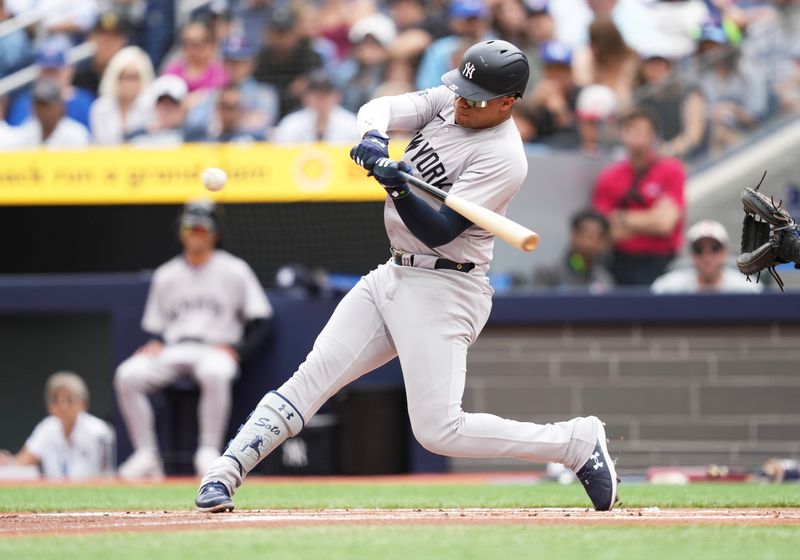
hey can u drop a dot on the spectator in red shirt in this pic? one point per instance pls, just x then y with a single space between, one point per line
642 197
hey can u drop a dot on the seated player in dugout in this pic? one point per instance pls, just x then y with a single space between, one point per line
206 312
70 443
428 303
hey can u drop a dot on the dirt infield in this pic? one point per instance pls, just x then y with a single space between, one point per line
28 524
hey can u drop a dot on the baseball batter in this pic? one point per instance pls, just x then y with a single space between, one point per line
429 302
205 311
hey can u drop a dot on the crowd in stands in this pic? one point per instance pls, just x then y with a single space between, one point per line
699 74
711 70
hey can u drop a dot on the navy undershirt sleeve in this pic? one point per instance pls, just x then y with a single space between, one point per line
432 227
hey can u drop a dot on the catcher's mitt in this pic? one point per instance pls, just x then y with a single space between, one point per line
769 235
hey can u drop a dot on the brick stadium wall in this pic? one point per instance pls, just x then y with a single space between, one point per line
676 395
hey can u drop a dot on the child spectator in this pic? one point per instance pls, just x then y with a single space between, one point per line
581 267
70 443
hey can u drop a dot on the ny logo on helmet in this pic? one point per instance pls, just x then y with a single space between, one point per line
468 70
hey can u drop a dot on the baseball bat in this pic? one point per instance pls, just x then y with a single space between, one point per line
509 231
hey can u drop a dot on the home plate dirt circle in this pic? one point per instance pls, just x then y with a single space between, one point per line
21 524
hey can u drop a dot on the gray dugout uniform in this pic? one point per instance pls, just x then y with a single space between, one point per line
208 304
484 166
427 317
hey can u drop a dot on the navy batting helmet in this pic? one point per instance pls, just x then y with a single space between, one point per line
488 70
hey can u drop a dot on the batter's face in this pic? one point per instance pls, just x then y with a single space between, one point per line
495 112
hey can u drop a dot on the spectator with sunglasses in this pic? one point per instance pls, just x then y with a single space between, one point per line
205 313
708 243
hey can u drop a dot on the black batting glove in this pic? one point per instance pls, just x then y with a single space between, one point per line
387 173
372 147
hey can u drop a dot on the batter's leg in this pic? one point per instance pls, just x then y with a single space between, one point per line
435 317
353 342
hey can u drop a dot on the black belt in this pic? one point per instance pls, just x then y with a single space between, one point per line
405 259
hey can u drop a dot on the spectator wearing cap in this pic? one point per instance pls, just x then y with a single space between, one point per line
595 111
15 47
642 197
51 60
197 64
361 75
167 96
48 126
122 107
259 102
607 60
679 107
109 35
285 59
553 98
735 90
469 22
708 243
322 118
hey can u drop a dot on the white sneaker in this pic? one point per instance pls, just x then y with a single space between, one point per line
204 457
144 464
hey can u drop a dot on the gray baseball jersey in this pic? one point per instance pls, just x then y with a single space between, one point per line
210 303
484 166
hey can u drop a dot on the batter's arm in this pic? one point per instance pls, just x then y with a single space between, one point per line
434 228
431 226
405 112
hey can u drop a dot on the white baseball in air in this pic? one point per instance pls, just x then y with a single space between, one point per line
214 178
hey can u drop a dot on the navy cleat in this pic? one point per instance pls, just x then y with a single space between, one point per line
213 497
599 475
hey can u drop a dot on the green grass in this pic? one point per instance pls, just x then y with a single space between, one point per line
418 542
359 495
